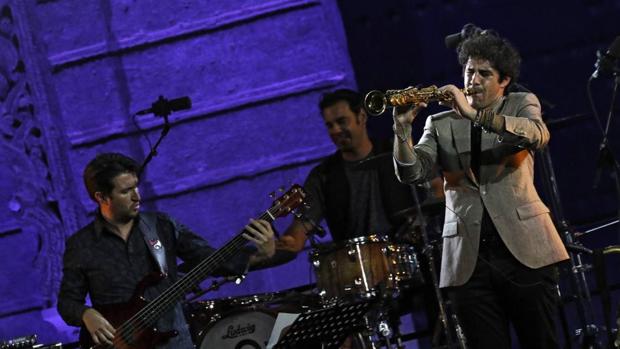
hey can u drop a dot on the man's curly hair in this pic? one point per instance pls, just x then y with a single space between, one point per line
498 51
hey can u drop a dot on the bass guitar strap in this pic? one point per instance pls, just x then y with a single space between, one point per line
148 227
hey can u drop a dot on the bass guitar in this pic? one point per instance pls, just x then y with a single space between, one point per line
134 321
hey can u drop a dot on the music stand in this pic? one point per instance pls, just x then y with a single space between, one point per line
328 327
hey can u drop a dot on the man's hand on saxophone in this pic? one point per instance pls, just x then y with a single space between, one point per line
458 102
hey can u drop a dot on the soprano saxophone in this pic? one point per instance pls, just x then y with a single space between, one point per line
376 101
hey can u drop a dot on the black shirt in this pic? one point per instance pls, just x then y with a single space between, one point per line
101 264
357 198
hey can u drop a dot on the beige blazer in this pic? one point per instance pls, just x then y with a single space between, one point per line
506 187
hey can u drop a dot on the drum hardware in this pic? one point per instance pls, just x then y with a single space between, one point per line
385 331
27 342
215 285
382 326
460 335
19 342
352 253
617 341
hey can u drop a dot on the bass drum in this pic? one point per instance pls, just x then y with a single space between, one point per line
239 329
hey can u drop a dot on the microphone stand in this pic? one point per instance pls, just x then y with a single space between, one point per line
579 284
428 251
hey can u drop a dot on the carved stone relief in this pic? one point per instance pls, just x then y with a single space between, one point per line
32 201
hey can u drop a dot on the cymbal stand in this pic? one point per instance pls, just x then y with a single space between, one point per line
583 300
386 320
215 285
606 158
379 329
428 251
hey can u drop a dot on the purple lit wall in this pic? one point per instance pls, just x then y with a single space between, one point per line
71 74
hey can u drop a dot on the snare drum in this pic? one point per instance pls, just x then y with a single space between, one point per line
358 267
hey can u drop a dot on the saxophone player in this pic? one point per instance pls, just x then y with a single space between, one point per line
500 247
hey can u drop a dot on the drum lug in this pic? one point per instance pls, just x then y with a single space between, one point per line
358 281
352 253
316 263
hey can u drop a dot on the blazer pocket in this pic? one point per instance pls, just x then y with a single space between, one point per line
450 229
532 209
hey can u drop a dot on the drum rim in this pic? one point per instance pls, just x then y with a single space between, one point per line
356 241
236 301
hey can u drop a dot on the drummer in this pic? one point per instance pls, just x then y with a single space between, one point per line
356 192
354 189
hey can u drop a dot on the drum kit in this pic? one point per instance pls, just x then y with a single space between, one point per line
370 270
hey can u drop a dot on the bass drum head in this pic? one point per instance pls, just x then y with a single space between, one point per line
239 330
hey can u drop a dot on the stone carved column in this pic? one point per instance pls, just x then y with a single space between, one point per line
32 151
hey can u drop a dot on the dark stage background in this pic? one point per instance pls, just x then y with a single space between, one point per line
72 73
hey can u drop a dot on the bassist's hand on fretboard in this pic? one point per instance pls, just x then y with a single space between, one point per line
99 328
260 232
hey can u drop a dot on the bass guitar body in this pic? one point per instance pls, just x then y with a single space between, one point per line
122 313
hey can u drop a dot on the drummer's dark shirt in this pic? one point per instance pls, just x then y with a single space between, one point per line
98 263
366 210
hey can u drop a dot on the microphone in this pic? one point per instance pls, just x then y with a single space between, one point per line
453 40
163 106
605 62
320 231
317 228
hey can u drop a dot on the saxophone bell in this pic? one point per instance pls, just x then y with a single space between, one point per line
375 102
